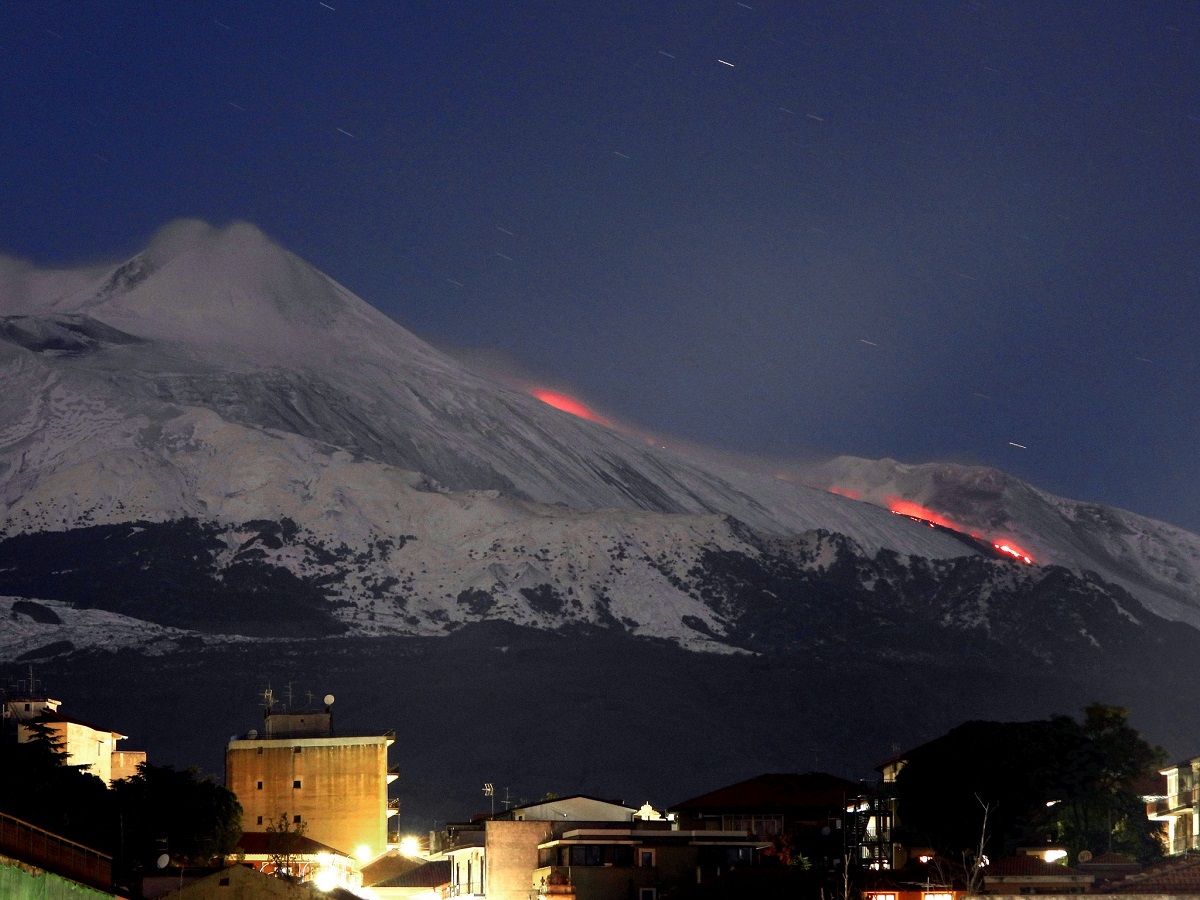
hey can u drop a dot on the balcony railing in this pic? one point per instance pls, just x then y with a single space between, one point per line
32 845
1180 802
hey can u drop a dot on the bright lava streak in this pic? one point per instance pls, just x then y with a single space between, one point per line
568 405
1014 551
913 510
904 507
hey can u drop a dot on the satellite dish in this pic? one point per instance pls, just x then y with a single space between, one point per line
329 699
162 861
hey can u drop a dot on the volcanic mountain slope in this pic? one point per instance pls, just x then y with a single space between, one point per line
1159 563
212 455
226 321
216 406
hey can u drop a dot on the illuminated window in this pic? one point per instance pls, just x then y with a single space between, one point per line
939 896
875 896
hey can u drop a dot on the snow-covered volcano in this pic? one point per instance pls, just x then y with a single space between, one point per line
216 391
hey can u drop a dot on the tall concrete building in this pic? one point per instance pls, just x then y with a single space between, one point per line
298 771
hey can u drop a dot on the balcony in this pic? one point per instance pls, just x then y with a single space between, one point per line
393 807
393 773
1175 803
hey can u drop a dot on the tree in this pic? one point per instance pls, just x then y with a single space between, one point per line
1049 780
195 817
1002 770
284 844
1105 811
41 788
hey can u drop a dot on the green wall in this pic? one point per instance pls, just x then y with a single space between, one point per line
18 884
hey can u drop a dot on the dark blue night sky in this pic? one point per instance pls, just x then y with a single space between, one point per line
921 230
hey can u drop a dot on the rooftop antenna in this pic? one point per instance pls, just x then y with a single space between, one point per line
507 803
490 791
268 698
289 696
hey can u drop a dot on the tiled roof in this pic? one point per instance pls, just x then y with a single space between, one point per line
1177 875
1026 866
429 875
562 800
1110 865
1111 859
776 793
260 843
941 875
386 867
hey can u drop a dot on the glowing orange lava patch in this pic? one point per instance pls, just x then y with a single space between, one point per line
568 405
1013 550
903 507
846 492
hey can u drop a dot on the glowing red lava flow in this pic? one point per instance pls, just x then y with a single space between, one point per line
1014 551
568 405
913 510
904 507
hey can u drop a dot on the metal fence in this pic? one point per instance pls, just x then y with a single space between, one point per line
41 848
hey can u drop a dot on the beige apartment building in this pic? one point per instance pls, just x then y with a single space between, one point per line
1179 807
84 744
333 785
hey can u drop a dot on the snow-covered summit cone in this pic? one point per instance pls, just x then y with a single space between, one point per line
234 292
228 321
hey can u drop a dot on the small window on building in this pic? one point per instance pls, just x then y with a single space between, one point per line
646 858
296 783
298 749
944 895
260 785
260 820
224 882
260 750
647 893
296 819
28 707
